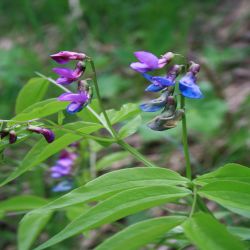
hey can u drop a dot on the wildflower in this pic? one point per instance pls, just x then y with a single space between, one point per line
187 84
47 133
148 61
161 82
66 56
79 100
12 137
63 186
156 104
68 76
65 163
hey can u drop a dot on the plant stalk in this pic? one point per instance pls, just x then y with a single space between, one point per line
185 141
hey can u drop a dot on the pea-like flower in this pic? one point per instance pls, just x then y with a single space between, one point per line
156 104
47 133
148 61
78 101
66 56
67 76
161 82
64 165
187 84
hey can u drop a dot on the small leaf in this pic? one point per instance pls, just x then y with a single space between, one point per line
32 92
130 128
140 234
228 194
27 234
22 202
127 111
108 160
207 234
117 207
229 172
40 109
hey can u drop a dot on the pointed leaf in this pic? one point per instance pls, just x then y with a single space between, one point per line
32 92
229 172
207 234
140 234
117 207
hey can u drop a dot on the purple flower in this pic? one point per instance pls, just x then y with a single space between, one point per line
148 61
187 84
161 82
65 163
68 76
12 137
78 101
66 56
47 133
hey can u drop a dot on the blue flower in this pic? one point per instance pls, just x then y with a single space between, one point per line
161 82
156 104
188 86
63 186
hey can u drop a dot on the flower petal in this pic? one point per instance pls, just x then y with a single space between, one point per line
64 80
149 107
192 91
140 67
154 88
81 98
148 58
64 72
74 107
163 81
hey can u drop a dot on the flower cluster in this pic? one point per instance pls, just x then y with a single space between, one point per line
12 134
67 76
166 84
64 167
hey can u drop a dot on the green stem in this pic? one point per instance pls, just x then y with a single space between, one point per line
111 129
135 153
194 201
185 141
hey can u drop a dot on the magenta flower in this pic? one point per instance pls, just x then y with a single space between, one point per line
66 56
148 61
47 133
78 101
68 76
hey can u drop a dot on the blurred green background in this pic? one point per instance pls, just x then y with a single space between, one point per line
213 33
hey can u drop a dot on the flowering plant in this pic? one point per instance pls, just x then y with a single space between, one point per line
124 192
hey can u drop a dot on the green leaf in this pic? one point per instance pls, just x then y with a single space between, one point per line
242 232
27 234
42 150
127 111
117 207
228 194
32 92
207 233
130 128
40 109
108 160
117 181
22 202
229 172
140 234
